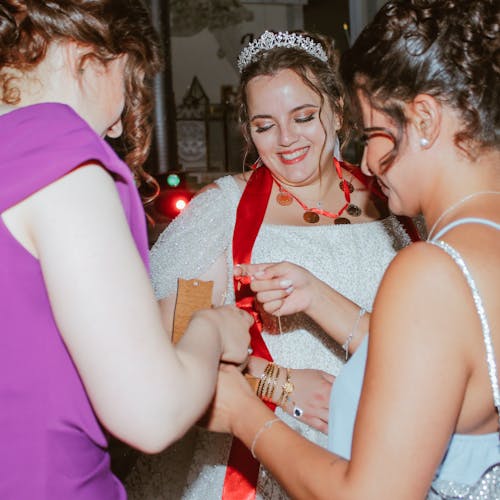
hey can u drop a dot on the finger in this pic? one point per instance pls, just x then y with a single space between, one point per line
249 269
242 366
322 414
246 316
329 377
273 307
317 423
280 284
271 296
239 312
226 368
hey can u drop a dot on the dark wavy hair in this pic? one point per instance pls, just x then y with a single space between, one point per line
449 49
110 28
322 77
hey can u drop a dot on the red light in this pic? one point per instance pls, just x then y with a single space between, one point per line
172 201
180 204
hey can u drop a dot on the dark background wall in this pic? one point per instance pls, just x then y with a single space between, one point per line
328 17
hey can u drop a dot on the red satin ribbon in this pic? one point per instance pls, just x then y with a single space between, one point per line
242 469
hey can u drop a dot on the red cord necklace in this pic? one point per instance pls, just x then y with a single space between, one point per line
311 214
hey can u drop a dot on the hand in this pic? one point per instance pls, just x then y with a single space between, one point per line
233 325
312 396
282 288
231 395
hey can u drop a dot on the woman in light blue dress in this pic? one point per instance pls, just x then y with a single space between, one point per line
414 413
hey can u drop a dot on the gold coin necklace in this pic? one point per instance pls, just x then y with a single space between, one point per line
311 214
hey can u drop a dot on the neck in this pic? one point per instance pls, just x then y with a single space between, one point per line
466 189
315 188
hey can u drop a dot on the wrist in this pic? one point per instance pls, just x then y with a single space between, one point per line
256 366
210 334
316 292
275 385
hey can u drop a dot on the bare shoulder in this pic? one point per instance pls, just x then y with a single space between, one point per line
212 185
420 271
242 179
89 181
425 295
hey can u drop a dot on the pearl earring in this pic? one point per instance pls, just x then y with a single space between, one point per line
424 142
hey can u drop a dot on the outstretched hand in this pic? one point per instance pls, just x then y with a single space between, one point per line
282 288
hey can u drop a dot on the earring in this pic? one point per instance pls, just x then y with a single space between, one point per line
424 142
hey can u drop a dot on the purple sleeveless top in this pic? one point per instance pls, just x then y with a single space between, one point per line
51 444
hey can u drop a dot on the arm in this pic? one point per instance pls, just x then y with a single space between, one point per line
420 361
286 288
104 306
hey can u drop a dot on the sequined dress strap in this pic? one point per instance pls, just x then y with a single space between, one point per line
488 485
490 353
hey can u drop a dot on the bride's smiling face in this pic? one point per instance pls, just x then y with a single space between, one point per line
292 130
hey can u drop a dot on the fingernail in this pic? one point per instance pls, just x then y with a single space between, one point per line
286 283
258 274
290 289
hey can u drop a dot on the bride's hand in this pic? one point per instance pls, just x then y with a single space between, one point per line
282 288
310 400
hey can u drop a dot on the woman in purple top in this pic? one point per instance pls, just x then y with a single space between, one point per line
81 340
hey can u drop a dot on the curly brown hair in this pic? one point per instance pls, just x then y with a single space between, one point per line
449 49
110 28
321 77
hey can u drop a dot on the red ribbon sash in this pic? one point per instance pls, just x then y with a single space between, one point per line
242 469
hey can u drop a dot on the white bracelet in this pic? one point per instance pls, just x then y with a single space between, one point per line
259 432
345 345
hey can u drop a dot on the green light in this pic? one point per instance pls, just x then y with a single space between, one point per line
173 180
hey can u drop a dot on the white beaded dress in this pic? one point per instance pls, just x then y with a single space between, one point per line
351 258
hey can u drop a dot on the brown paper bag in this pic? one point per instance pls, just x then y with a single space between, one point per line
192 295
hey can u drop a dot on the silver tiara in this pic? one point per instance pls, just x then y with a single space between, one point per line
269 40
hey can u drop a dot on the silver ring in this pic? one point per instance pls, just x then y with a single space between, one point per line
250 351
297 412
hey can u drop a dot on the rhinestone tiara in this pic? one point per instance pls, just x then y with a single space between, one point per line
269 40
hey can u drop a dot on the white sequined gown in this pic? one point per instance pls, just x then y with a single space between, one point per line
350 258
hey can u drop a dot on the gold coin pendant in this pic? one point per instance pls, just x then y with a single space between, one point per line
311 217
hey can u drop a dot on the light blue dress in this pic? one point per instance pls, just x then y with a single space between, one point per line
462 473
